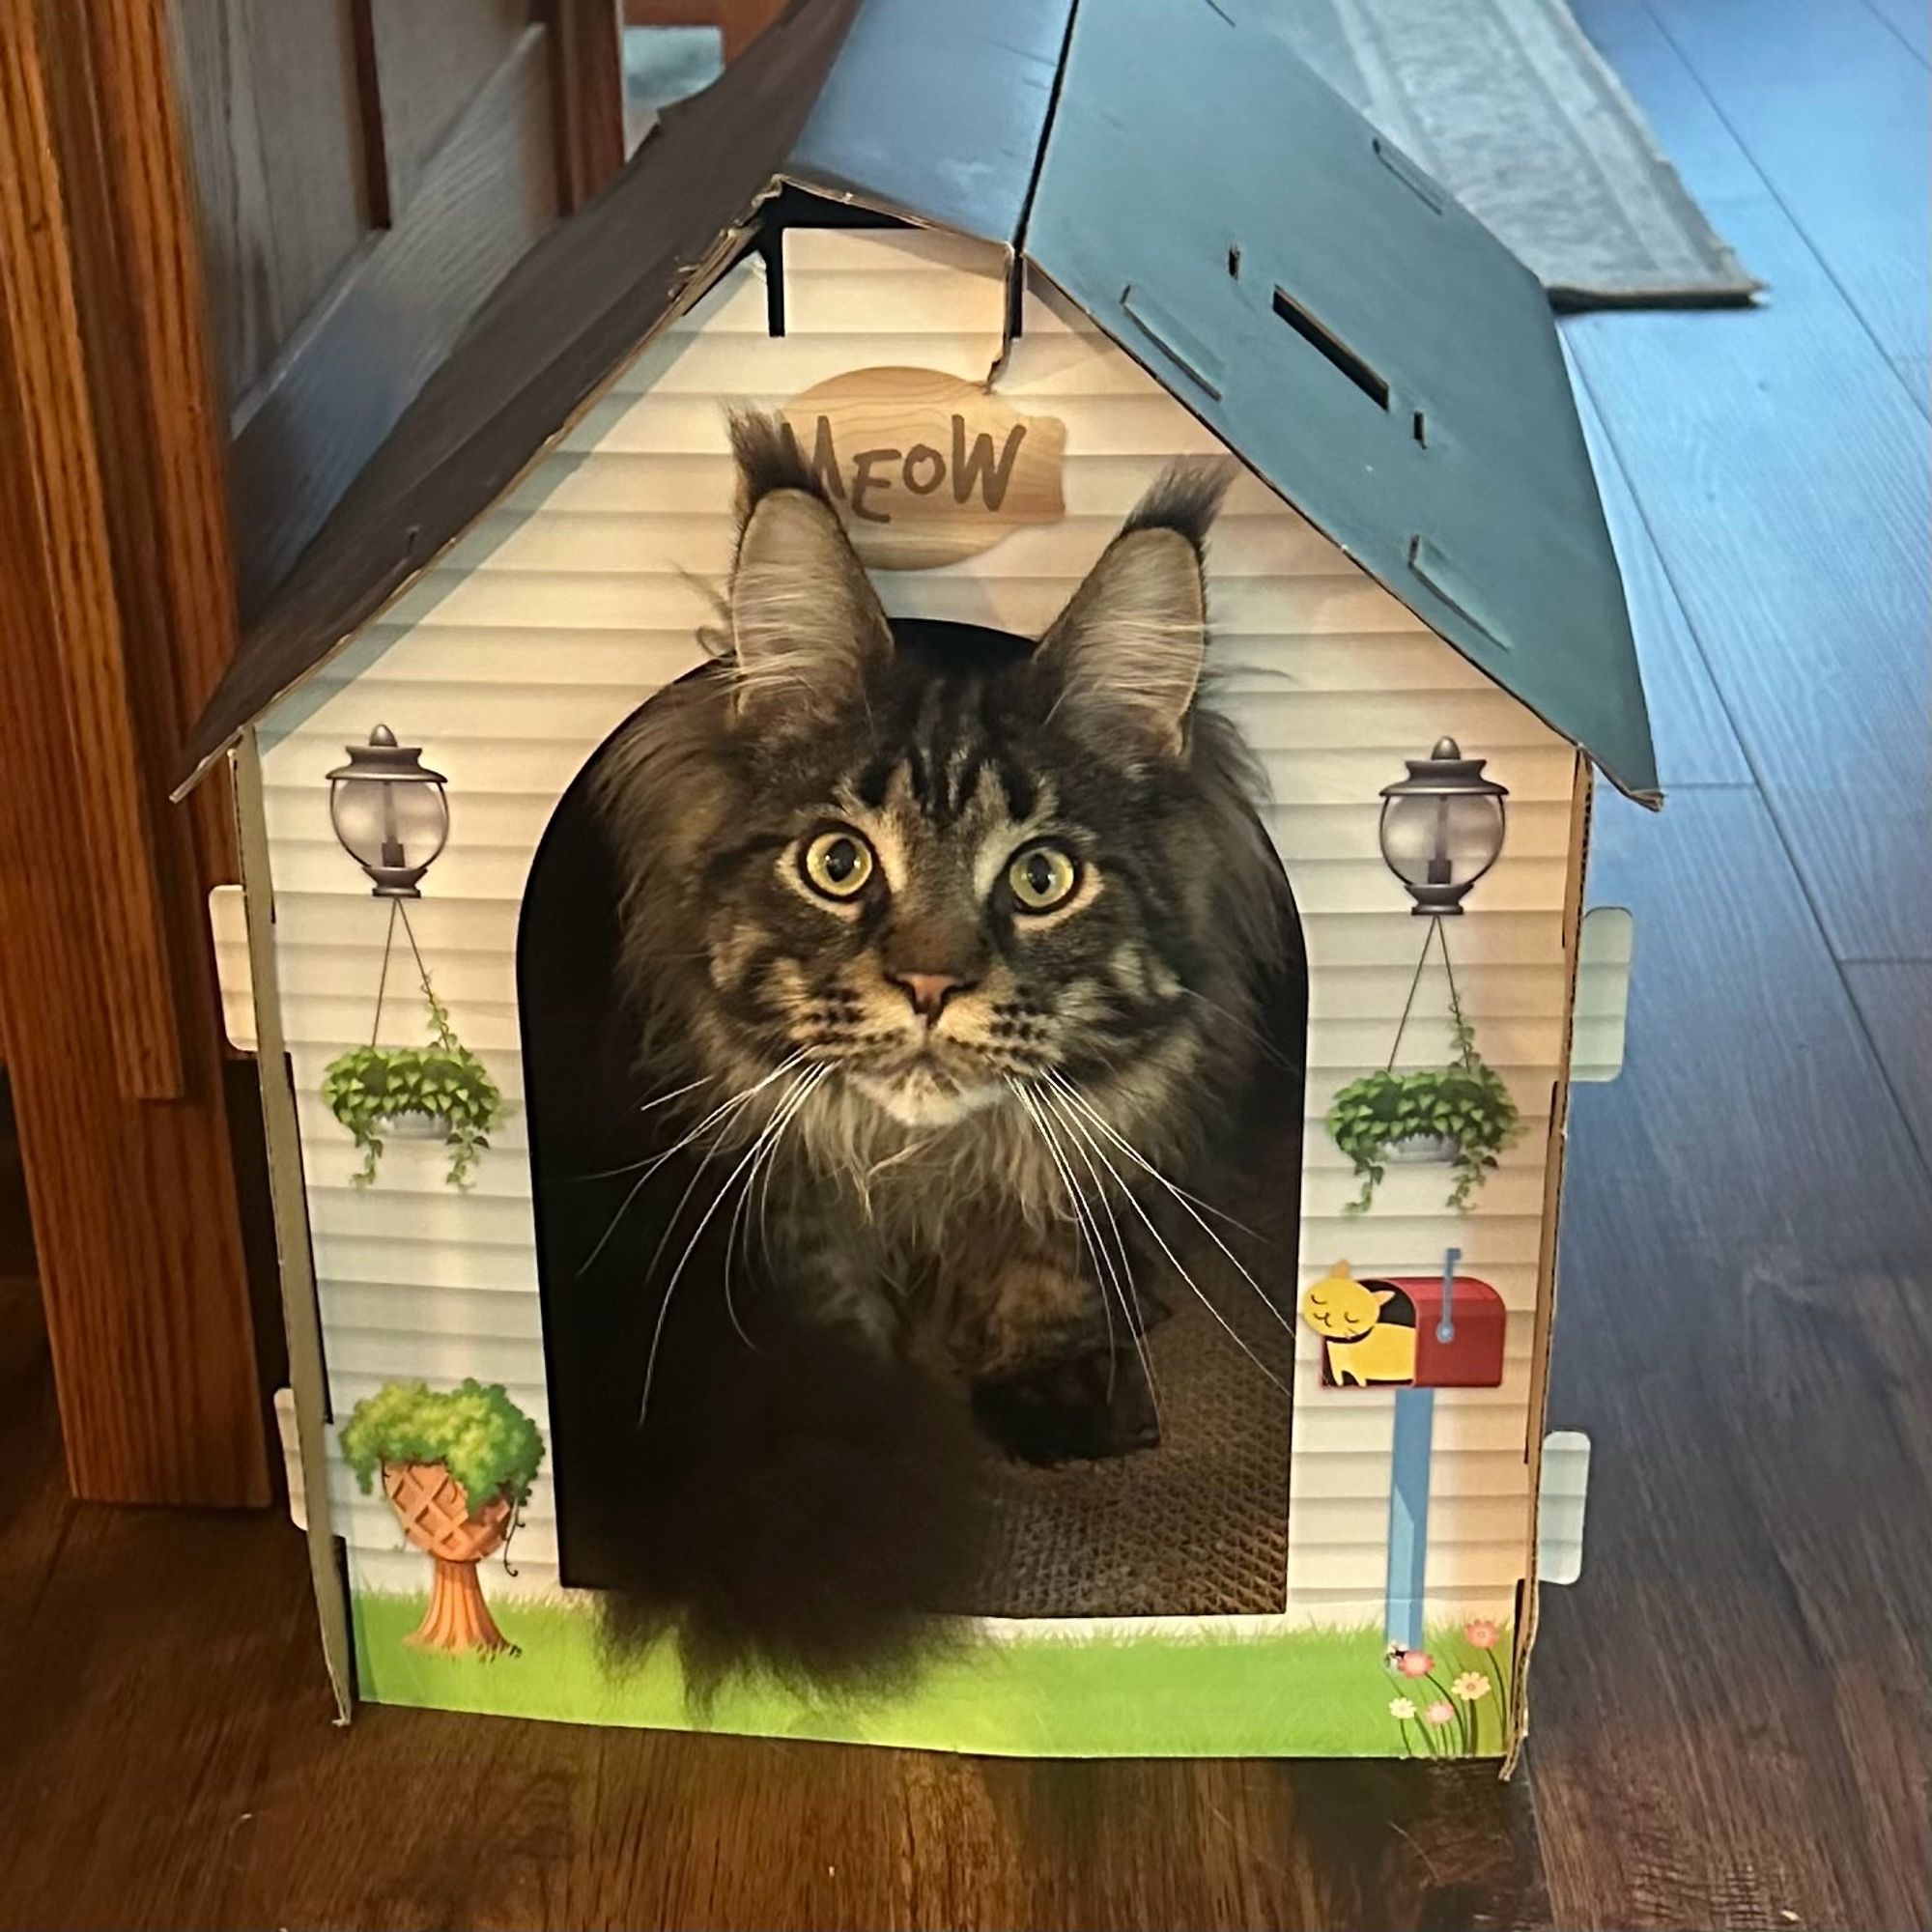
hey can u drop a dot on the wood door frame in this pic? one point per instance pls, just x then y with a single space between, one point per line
118 586
119 605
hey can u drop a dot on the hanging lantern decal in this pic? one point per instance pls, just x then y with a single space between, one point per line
390 812
1442 828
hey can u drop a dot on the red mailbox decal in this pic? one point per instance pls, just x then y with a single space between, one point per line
1459 1344
1406 1331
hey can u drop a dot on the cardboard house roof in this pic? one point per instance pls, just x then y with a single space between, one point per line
1330 313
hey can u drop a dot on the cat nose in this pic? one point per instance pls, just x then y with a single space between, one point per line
928 992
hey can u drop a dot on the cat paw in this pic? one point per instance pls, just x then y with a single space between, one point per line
1083 1408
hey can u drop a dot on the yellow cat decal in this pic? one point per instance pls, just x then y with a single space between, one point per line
1361 1349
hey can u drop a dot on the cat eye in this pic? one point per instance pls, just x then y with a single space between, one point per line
837 863
1042 877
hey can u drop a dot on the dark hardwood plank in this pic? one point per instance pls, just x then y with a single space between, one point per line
1695 742
166 1669
1830 107
1729 1711
1911 21
1796 548
1894 998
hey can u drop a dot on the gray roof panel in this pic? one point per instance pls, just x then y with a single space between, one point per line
937 111
1343 325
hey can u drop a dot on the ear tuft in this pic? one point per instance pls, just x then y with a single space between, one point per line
1128 650
806 623
1185 498
768 459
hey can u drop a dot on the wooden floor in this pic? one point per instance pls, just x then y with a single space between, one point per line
1732 1709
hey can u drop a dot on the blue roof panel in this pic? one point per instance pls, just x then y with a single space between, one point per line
1352 332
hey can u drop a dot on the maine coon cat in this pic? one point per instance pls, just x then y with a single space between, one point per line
936 944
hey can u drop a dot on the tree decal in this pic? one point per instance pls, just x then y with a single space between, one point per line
457 1466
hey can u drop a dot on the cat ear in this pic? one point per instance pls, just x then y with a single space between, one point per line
1128 650
1383 1295
806 623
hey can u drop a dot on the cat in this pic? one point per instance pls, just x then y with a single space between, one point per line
1361 1346
945 940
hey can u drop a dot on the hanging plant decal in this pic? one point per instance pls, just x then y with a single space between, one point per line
1460 1114
391 815
439 1092
1441 829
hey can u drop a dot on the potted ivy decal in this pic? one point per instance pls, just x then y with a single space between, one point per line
1460 1114
439 1092
457 1467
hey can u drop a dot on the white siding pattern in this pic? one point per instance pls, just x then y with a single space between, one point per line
516 655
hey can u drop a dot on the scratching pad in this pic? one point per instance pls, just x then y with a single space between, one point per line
1196 1528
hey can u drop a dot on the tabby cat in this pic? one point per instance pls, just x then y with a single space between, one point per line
937 942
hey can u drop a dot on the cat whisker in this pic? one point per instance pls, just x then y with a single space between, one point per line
801 1091
646 1107
727 1109
654 1161
689 1086
763 1150
1120 1280
710 1154
1129 1302
1073 1093
1088 1229
1072 1120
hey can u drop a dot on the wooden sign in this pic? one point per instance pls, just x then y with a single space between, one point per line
927 469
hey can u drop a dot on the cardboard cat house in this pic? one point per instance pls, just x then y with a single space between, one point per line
996 271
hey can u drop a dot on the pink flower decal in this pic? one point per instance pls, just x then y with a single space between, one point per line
1415 1663
1442 1711
1482 1632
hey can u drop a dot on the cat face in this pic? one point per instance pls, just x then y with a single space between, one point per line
1342 1309
933 857
944 894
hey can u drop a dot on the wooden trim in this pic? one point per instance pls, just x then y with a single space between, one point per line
587 89
1547 1251
670 13
151 366
117 612
739 21
103 818
742 21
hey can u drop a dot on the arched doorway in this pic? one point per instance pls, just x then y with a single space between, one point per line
1196 1527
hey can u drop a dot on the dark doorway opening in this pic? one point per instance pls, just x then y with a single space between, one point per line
1198 1526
